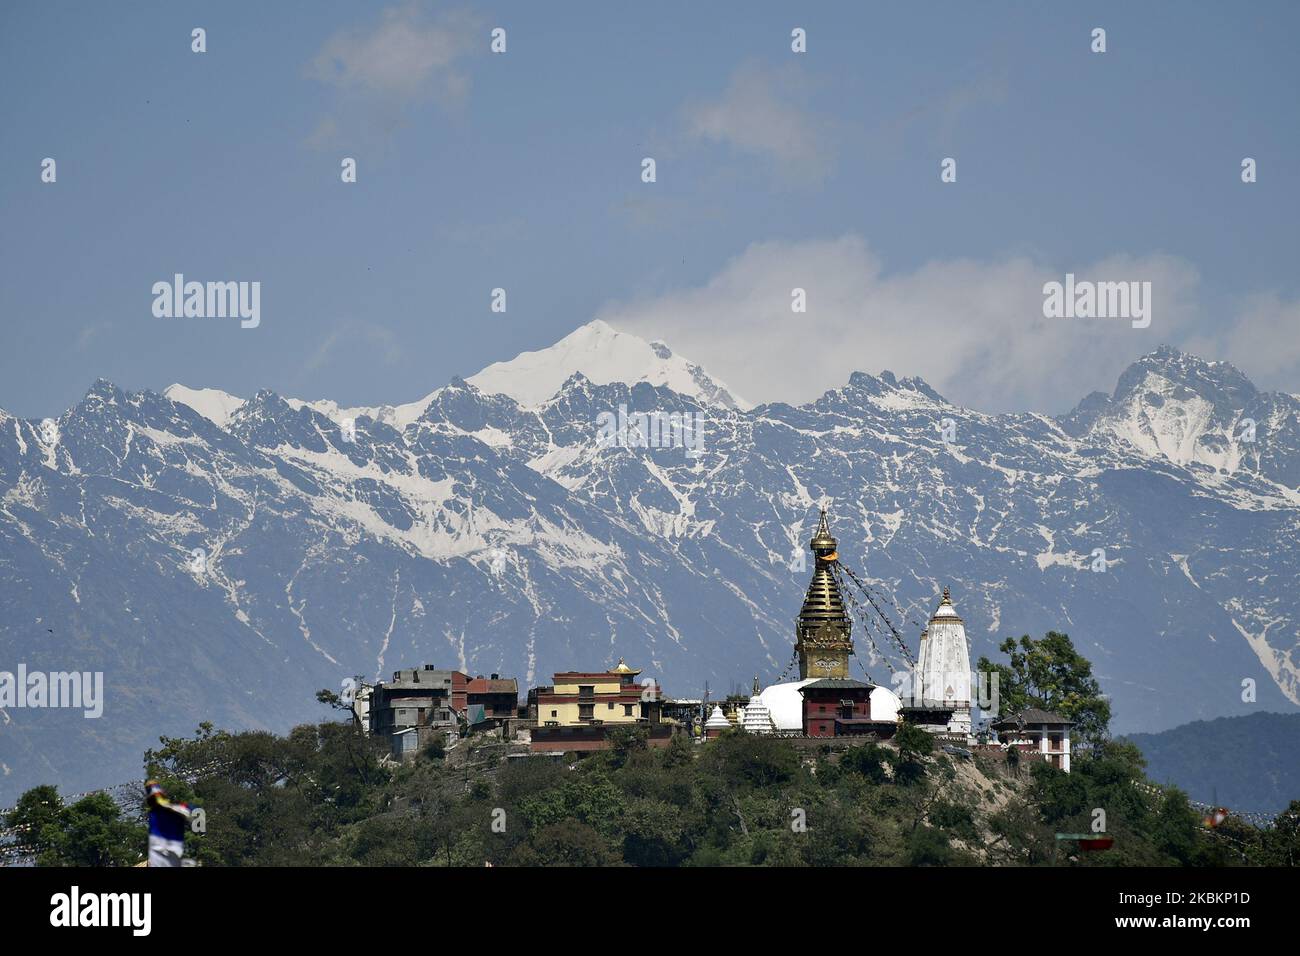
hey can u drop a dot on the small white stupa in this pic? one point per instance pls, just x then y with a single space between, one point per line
716 723
757 719
943 671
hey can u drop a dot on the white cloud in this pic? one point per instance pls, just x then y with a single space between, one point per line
972 329
355 334
400 56
404 58
764 113
1263 340
87 336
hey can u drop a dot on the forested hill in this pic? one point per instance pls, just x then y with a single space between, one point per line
1244 763
324 796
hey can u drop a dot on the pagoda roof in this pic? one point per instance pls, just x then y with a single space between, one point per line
836 683
823 604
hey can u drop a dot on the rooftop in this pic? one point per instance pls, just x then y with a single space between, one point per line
1031 715
836 683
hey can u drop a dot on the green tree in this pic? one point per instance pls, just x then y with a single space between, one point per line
1050 674
867 760
436 748
38 808
566 843
927 846
590 799
626 741
345 702
655 834
748 760
90 832
913 745
1282 843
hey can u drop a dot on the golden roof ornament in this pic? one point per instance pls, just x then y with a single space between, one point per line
823 544
823 642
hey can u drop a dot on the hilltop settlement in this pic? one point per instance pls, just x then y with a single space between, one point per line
581 709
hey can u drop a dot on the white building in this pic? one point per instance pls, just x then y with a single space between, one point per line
942 677
1038 731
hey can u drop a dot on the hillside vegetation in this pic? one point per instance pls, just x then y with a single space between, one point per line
322 796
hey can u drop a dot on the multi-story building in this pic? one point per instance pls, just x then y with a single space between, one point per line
841 708
497 698
579 698
419 697
1040 732
579 710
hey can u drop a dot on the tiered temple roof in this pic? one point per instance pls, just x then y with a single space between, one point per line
823 631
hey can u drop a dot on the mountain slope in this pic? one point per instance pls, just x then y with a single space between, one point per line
224 563
1244 763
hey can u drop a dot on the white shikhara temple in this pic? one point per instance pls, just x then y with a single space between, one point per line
943 668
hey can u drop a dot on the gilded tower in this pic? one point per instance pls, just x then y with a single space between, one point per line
822 634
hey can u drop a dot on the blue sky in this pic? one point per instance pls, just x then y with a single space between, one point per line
522 171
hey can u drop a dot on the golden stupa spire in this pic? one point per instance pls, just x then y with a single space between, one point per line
823 630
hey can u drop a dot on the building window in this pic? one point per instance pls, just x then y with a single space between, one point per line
553 713
627 710
611 706
585 711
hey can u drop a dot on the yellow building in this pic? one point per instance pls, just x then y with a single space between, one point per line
597 697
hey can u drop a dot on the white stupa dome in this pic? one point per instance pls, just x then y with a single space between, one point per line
784 704
884 704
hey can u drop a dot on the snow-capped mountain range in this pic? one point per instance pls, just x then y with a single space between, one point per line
221 558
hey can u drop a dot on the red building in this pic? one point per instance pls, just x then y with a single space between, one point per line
836 707
499 697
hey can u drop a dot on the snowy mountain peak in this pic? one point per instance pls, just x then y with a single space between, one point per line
885 391
327 552
1216 382
212 403
603 355
1180 407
